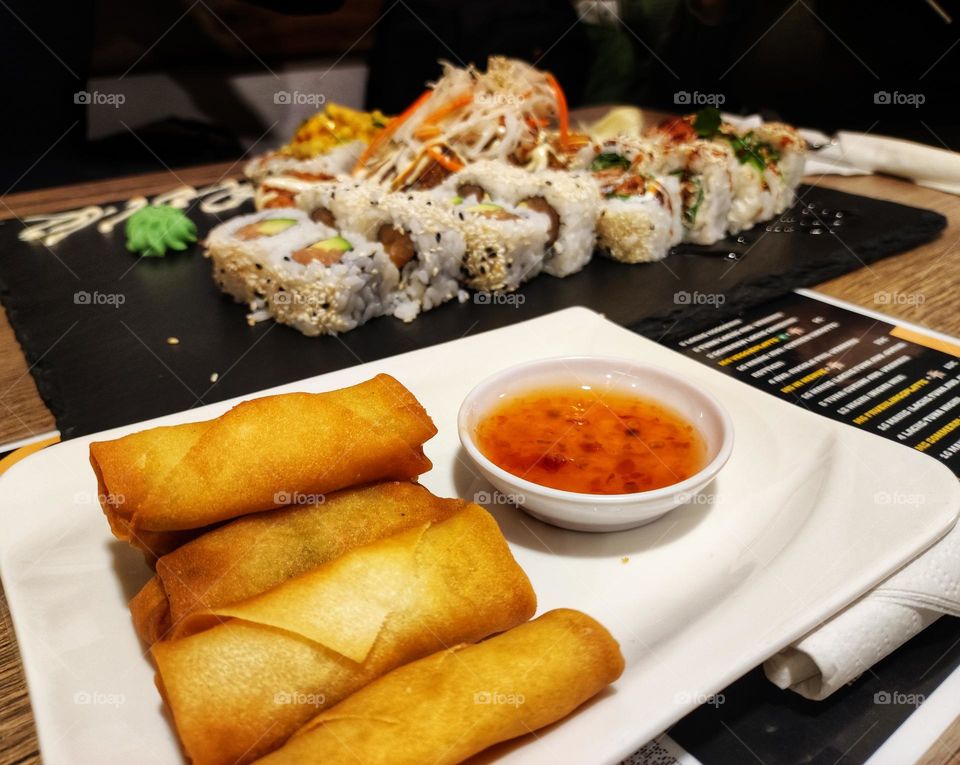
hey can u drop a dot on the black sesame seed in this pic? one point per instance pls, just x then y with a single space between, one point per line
259 267
438 237
286 257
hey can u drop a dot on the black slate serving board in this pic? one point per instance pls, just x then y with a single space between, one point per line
104 360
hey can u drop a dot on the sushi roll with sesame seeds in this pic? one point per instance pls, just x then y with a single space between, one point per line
301 272
241 246
505 245
417 230
569 201
640 216
331 285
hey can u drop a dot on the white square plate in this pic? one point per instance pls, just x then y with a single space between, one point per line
806 516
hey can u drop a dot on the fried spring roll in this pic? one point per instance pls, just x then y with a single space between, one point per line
163 481
255 553
447 707
240 688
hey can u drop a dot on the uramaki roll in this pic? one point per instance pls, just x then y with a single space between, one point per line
256 457
253 554
447 707
239 689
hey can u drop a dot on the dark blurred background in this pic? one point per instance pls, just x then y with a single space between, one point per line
96 89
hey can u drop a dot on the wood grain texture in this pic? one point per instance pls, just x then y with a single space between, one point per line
922 285
946 749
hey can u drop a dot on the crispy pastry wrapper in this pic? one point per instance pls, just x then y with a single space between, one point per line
447 707
253 554
156 485
240 679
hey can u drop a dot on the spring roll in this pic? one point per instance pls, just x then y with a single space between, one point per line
447 707
258 456
255 553
240 679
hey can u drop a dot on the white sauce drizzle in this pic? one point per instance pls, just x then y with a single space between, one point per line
53 228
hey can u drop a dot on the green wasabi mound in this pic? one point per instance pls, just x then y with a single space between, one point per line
153 230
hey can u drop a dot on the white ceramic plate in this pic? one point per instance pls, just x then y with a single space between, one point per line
807 515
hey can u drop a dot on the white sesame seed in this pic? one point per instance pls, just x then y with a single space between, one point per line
173 341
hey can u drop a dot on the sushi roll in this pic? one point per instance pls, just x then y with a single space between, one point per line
285 191
241 246
505 245
569 201
640 217
337 161
787 149
618 153
704 171
417 230
331 285
300 272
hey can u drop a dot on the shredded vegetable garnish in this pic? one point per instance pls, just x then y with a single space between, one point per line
503 113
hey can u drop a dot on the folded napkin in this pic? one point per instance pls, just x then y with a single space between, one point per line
924 165
844 647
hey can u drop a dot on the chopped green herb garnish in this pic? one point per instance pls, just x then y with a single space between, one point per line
750 150
690 210
152 230
707 122
608 160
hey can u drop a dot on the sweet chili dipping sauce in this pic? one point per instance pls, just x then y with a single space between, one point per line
592 442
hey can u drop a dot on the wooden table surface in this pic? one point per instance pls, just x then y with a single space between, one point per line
920 286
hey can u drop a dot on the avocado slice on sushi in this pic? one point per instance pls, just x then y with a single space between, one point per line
326 251
268 227
490 210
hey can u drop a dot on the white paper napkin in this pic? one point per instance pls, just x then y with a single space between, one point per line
844 647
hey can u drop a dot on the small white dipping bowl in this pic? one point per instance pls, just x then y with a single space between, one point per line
598 512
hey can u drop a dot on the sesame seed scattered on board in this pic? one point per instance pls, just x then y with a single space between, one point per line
173 341
214 377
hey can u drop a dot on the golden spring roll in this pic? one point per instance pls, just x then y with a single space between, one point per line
255 553
260 455
447 707
240 688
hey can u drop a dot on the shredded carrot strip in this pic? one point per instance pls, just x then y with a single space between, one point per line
449 108
436 154
563 113
426 132
390 129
